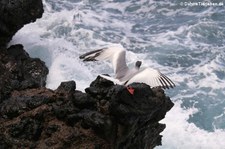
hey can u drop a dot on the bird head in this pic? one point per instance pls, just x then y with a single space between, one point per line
138 64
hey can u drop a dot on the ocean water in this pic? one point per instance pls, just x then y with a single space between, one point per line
183 40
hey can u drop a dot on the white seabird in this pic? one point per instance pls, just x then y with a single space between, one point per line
123 74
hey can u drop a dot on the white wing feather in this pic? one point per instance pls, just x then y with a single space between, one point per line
116 54
113 54
152 77
114 80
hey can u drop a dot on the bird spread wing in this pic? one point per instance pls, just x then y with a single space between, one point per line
152 77
116 54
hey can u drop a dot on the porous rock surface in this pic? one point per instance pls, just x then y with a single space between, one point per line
33 116
14 14
18 71
106 116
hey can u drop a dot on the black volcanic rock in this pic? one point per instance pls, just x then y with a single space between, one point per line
138 115
135 116
65 118
83 100
33 116
99 87
43 118
68 86
19 71
14 14
22 101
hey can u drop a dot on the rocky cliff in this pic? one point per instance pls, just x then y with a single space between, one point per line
14 14
33 116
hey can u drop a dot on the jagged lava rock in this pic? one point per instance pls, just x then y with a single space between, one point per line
43 118
32 116
14 14
19 71
136 116
66 118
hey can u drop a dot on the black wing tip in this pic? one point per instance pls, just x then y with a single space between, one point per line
167 87
82 56
166 82
87 57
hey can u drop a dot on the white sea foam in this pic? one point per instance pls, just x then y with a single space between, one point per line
180 134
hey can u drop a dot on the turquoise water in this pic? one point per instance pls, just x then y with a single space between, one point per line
187 43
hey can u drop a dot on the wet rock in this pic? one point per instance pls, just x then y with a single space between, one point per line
15 14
